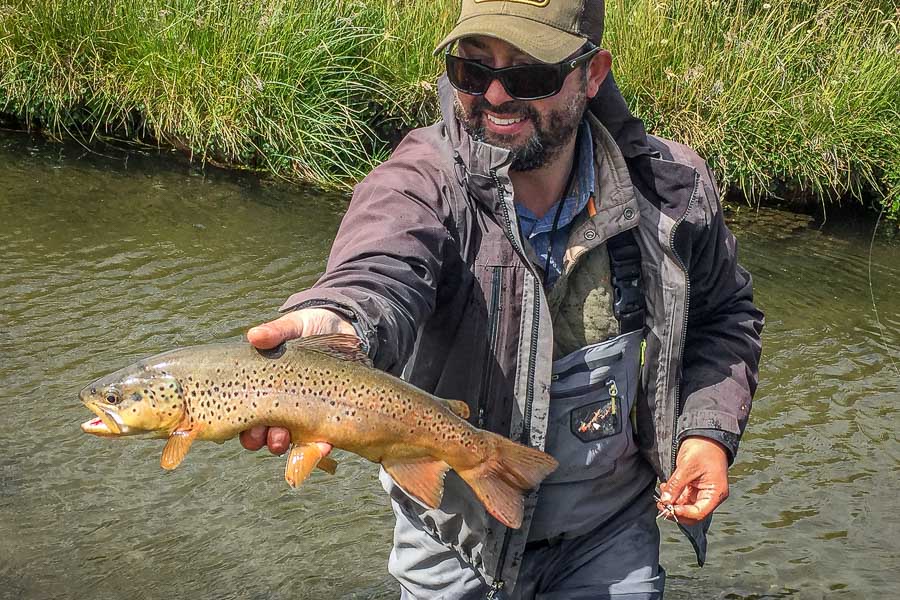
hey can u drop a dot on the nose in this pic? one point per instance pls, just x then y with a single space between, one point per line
496 94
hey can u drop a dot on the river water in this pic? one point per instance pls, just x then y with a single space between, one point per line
109 259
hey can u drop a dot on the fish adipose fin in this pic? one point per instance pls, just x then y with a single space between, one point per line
457 407
339 345
501 481
421 478
302 459
177 447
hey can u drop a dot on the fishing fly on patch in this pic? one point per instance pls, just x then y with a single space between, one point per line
598 420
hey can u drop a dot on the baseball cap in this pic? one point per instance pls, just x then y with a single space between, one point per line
548 30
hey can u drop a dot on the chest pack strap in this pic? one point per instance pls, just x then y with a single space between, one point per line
628 287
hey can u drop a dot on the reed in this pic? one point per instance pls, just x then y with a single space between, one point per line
797 98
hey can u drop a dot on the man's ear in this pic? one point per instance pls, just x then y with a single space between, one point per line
598 69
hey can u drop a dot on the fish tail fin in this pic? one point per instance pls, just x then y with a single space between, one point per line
501 481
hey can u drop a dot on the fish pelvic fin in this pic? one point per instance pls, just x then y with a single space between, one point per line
501 481
422 478
302 459
177 446
457 407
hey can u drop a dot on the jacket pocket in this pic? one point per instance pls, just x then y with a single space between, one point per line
493 330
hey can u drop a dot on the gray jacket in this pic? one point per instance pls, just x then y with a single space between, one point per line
430 264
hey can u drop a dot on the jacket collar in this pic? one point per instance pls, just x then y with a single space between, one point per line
478 163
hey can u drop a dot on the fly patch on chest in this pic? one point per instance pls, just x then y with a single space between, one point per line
597 420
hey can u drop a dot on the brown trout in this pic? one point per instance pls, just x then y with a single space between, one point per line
322 389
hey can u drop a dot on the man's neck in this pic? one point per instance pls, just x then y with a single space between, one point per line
539 189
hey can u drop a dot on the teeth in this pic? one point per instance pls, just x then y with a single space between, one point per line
494 119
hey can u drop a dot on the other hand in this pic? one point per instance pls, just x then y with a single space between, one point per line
299 323
699 483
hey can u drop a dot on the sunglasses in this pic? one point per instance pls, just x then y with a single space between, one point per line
521 82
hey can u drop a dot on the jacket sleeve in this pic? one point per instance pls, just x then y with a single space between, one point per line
385 263
723 346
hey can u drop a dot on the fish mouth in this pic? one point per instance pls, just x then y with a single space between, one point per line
105 424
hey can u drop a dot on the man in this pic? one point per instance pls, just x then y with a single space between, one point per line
538 255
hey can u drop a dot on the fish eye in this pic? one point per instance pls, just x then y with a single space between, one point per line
113 397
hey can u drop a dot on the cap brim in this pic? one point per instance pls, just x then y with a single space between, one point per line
543 42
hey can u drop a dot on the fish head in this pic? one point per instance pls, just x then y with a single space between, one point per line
136 400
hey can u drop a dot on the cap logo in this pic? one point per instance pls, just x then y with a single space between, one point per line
538 3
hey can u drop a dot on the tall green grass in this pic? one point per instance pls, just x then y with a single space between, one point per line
795 98
784 97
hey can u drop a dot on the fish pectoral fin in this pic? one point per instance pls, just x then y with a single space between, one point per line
302 459
339 345
421 478
177 447
458 408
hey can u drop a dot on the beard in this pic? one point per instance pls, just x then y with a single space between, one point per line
551 132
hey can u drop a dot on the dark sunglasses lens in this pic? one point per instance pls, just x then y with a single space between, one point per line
467 76
532 81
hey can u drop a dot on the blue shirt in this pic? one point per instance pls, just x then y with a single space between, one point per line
539 232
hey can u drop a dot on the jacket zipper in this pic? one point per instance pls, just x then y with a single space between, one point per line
498 583
603 384
687 300
493 328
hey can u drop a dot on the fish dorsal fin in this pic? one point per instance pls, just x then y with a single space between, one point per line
339 345
457 407
421 478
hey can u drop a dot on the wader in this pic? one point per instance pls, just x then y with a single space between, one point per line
595 516
593 532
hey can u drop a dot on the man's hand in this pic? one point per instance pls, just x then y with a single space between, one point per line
699 483
300 323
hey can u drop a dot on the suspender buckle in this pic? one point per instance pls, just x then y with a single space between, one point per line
625 265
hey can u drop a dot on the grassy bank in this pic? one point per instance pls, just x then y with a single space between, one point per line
790 98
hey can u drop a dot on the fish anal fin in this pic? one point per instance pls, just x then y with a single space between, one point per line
501 481
339 345
177 447
458 408
301 461
421 478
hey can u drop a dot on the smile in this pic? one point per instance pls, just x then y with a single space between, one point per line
499 121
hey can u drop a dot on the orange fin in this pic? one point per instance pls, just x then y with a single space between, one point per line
421 478
177 447
302 459
457 407
509 471
339 345
328 464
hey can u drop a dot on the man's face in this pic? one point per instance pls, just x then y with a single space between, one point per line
535 131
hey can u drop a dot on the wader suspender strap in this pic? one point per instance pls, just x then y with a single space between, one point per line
628 288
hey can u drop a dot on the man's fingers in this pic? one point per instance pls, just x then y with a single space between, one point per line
691 514
324 448
254 438
278 440
674 487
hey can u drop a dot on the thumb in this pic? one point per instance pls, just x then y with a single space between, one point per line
268 335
